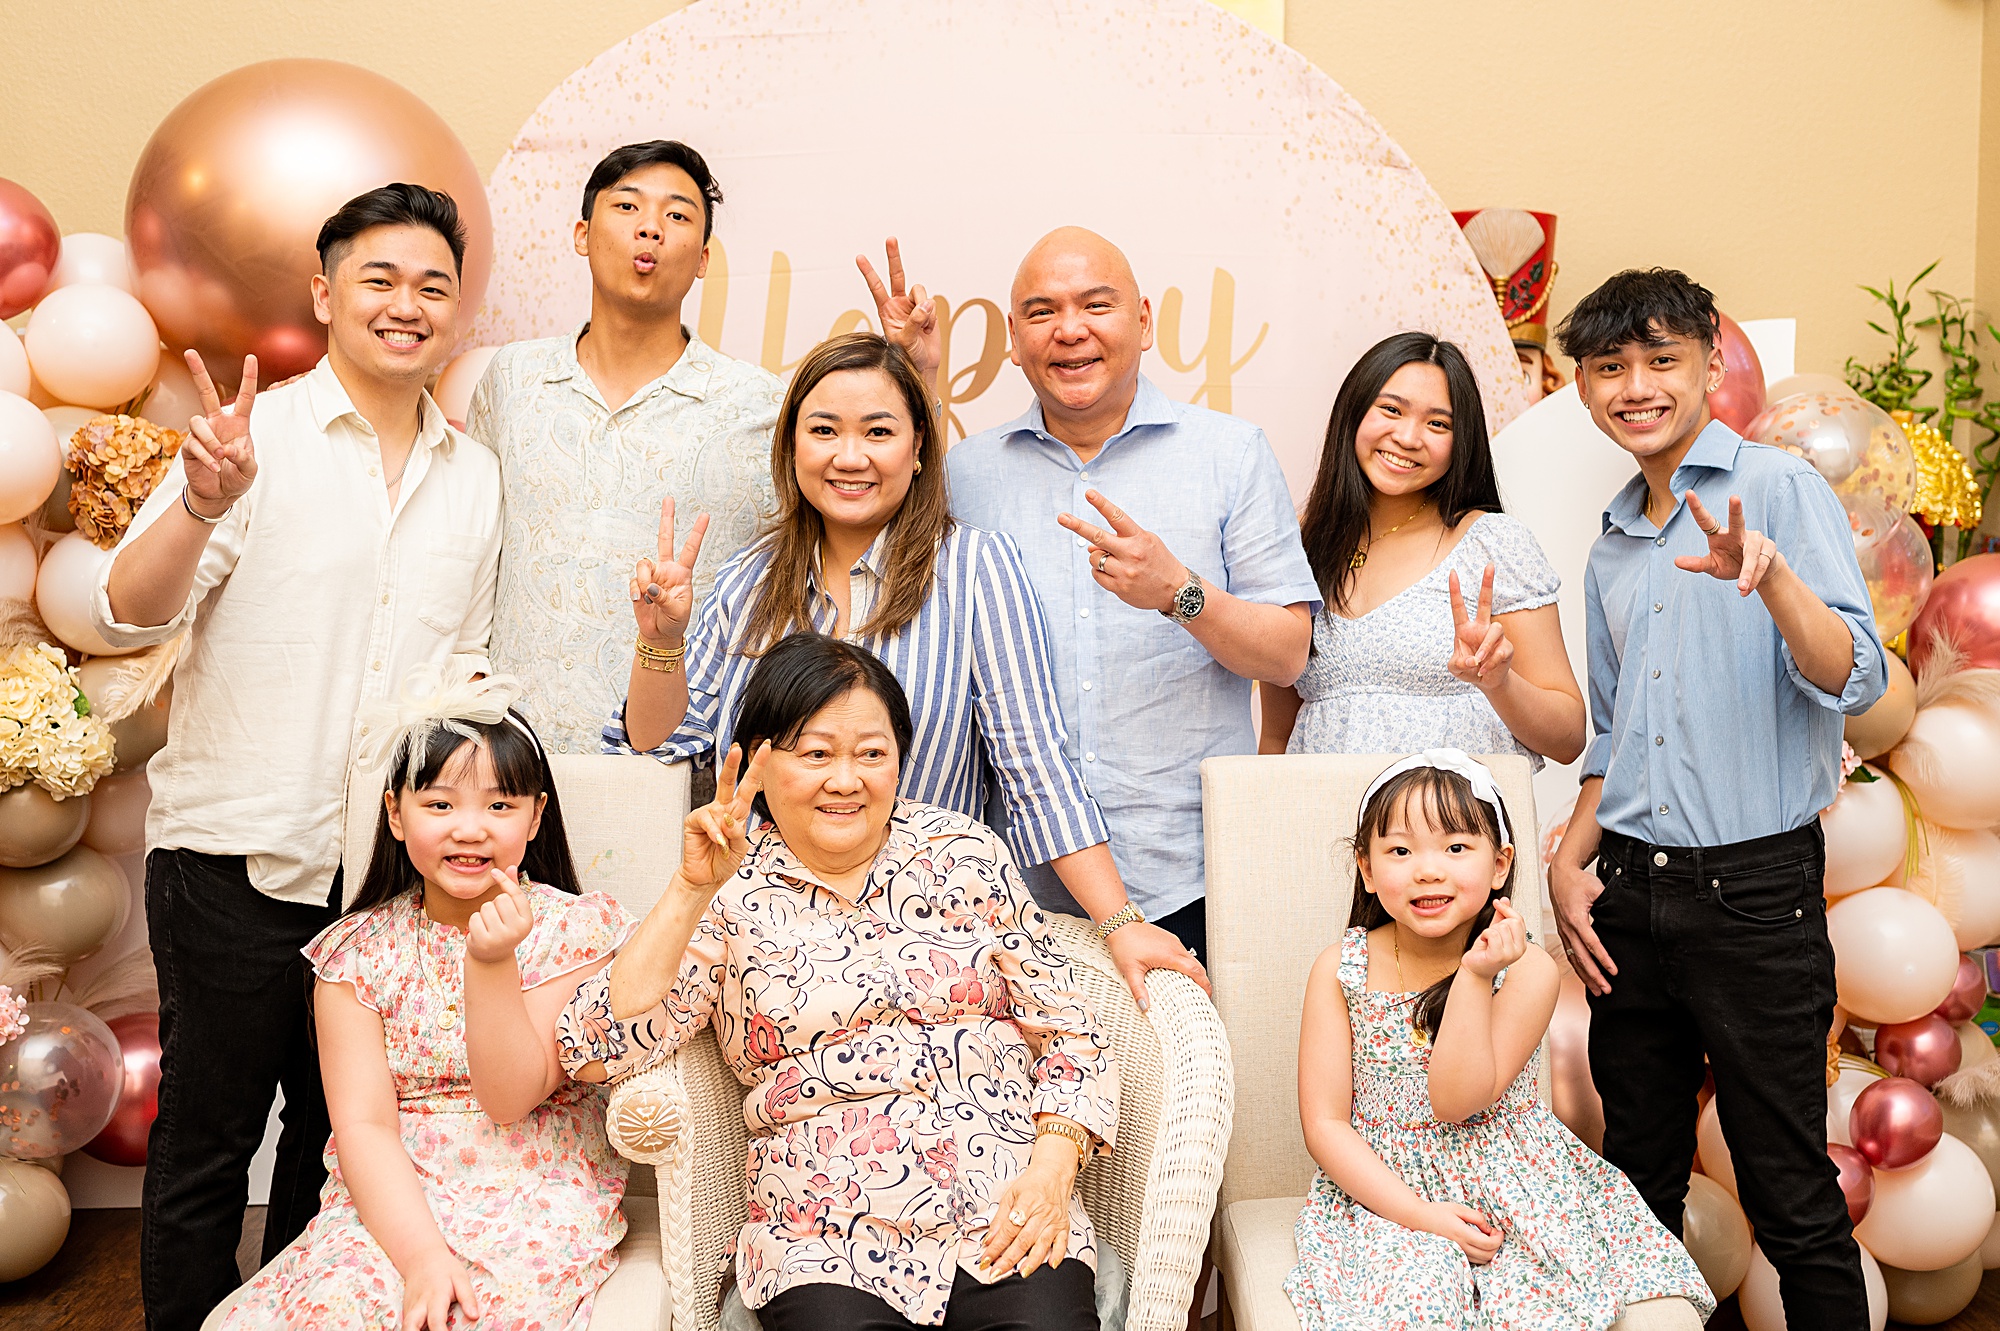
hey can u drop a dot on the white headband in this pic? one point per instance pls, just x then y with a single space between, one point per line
428 703
1449 760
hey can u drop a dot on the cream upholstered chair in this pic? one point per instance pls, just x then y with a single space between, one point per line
1280 881
1152 1198
623 816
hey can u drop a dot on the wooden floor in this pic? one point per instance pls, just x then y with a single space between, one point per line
93 1284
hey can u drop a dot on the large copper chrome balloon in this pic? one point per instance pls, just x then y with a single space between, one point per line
29 248
232 188
36 827
123 1141
59 1082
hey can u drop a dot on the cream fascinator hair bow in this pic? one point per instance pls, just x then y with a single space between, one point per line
1458 762
428 702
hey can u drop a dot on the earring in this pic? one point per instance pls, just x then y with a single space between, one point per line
920 465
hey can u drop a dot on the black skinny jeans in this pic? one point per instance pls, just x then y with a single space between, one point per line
1055 1298
233 1028
1722 951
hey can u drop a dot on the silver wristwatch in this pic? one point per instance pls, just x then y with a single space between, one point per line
1188 601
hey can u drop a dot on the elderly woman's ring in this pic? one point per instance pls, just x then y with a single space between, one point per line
1017 1218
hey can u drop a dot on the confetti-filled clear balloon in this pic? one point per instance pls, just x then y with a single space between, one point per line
1895 559
59 1082
1856 445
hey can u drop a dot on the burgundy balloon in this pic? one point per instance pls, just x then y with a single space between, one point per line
1741 396
123 1141
1857 1179
1968 992
1964 606
1925 1050
29 246
1895 1123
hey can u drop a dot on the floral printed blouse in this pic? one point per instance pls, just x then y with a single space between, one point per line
896 1047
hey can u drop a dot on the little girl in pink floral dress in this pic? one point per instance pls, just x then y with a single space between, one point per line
464 1167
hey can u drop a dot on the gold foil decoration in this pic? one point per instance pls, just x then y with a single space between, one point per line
1946 493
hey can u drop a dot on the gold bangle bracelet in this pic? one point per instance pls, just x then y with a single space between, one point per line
1072 1133
662 660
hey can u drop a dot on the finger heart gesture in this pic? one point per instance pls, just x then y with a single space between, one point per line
1481 653
1733 551
500 926
218 455
663 589
1500 945
716 837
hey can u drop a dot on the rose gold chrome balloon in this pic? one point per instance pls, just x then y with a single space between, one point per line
1925 1050
1968 992
1857 1179
1895 1123
123 1141
1964 606
29 248
232 188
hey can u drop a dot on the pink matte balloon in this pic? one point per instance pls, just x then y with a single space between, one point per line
15 377
1950 759
1857 1179
1968 992
1866 836
29 460
17 563
63 588
1741 396
94 346
1925 1050
171 399
123 1141
1932 1215
1894 954
453 393
90 257
29 245
1964 605
1895 1123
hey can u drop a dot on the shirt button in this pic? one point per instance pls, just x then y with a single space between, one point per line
1659 540
364 730
1090 757
1663 808
373 472
376 666
1656 674
1659 739
385 598
1658 607
1083 613
1660 856
597 503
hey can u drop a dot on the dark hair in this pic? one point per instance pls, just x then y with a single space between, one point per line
521 769
799 677
1335 521
795 534
1642 305
1448 805
622 162
400 204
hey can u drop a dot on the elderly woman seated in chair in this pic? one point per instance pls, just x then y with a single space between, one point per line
924 1079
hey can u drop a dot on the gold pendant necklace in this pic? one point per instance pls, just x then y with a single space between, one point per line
448 1011
1361 555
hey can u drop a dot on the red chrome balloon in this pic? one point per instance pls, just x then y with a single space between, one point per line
1741 396
1895 1123
123 1141
29 246
1857 1179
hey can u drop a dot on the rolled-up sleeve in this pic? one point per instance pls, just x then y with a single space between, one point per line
1049 813
1263 558
1601 670
218 558
1813 533
587 1033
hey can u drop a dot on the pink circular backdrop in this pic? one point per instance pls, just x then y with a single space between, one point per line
1276 227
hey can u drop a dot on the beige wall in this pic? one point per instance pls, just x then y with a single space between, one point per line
1820 143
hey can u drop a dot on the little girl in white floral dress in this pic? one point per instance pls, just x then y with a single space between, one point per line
464 1168
1448 1195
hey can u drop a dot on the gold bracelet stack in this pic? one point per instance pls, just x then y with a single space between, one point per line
1069 1132
665 660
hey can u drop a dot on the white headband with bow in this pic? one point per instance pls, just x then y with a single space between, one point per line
1456 761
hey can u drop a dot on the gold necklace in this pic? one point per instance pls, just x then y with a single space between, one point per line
1396 941
448 1014
1361 556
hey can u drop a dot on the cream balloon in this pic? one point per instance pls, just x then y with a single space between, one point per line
17 563
139 736
90 257
1714 1150
1716 1234
1855 1077
1975 1047
117 823
1866 835
34 1218
36 827
1958 871
93 345
1989 1251
1882 727
14 374
1978 1126
1758 1300
1925 1298
29 460
1895 957
453 393
1932 1214
1951 761
72 906
63 588
171 399
66 421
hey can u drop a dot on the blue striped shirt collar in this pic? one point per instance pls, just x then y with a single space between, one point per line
1149 407
871 559
1714 449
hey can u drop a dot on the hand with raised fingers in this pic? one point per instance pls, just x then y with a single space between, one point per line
716 837
433 1284
218 456
1733 551
908 317
663 589
1476 1236
1572 892
1481 653
1500 944
502 924
1139 947
1128 561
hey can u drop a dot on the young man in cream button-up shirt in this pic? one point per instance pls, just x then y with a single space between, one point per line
313 554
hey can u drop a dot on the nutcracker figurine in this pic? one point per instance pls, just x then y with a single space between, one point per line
1517 248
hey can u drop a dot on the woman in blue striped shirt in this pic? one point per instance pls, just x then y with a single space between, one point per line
857 462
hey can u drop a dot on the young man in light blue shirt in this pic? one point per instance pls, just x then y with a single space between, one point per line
1729 634
1183 581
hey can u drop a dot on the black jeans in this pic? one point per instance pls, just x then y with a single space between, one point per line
1190 925
234 1027
1723 951
1055 1298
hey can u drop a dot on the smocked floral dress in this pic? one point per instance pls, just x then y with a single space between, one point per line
530 1207
1579 1243
894 1048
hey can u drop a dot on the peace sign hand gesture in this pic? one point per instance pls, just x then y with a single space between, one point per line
1481 653
909 319
663 589
716 837
218 456
499 926
1128 561
1734 551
